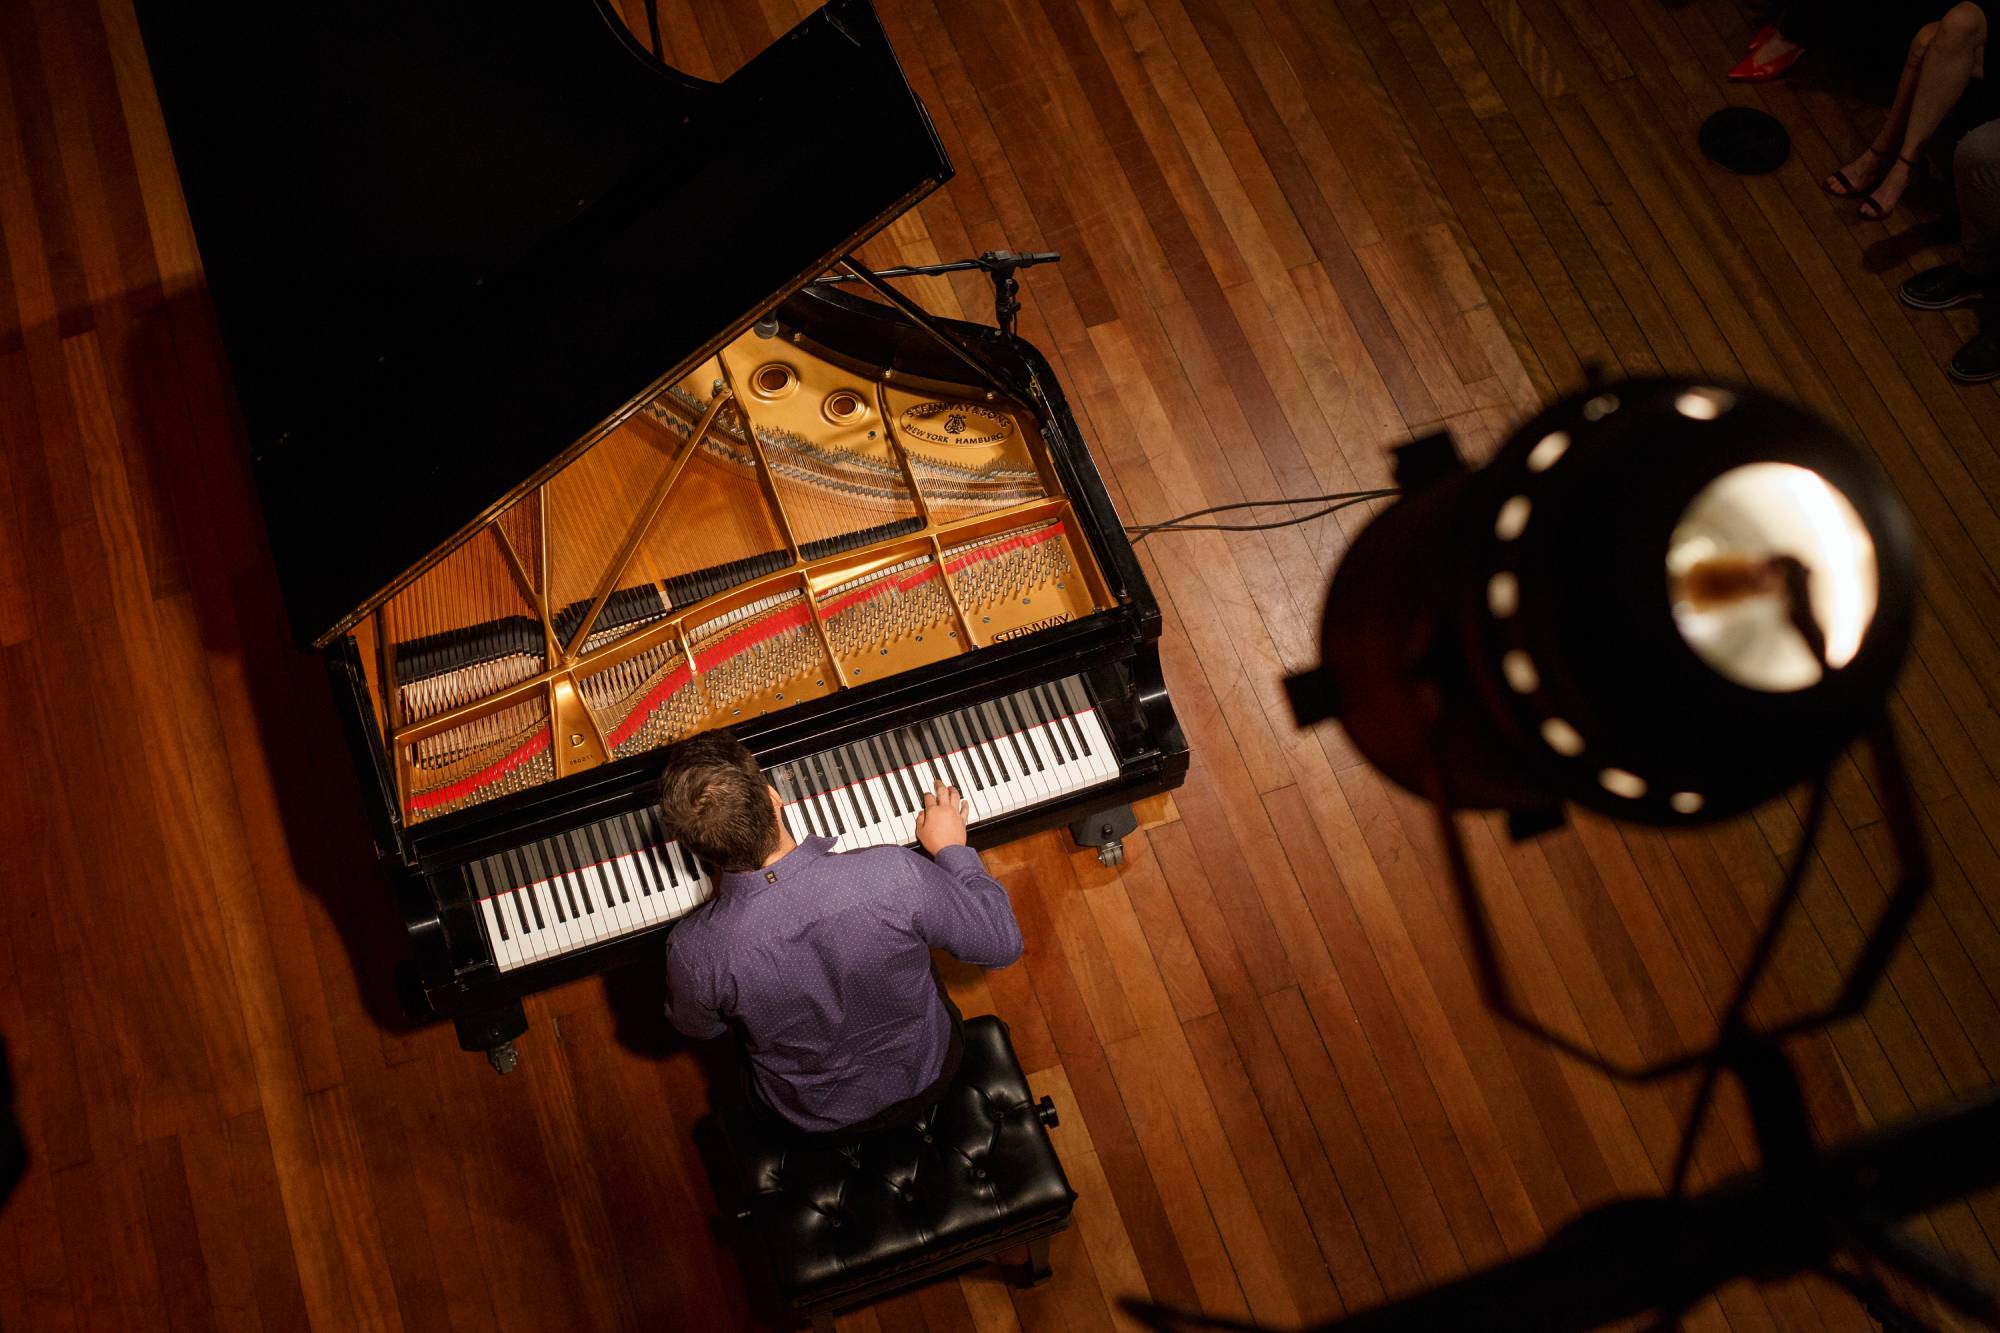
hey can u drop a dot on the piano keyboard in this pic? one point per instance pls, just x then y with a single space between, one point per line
622 874
606 879
1003 755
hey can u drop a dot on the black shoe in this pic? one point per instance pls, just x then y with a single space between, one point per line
1978 361
1943 287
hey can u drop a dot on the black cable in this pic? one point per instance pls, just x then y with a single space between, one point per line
1343 500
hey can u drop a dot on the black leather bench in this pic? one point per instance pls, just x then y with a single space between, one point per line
845 1222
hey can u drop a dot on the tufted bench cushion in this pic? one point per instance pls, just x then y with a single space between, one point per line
843 1221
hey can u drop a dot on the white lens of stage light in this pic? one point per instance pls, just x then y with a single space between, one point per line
1733 586
1704 404
1548 452
1620 782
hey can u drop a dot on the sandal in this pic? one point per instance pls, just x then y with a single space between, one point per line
1848 188
1872 209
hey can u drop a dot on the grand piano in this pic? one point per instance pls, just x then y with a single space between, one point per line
565 455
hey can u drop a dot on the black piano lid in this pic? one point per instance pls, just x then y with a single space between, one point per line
448 241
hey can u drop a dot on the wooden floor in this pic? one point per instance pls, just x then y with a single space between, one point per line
1293 232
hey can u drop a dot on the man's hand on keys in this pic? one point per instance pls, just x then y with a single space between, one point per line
942 821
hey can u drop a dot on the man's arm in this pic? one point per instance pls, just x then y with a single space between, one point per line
961 908
688 1003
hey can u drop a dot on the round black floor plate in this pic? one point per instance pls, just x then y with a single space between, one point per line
1746 141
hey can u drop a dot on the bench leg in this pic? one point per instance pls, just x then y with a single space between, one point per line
1038 1270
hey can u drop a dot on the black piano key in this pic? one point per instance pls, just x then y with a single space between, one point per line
982 771
945 725
843 809
514 867
877 760
980 723
661 841
1006 739
921 773
906 778
609 871
826 784
533 874
1001 739
941 748
520 913
980 718
534 904
538 873
559 885
1071 691
1067 712
1054 712
573 848
804 789
863 799
611 834
561 864
614 872
930 761
628 830
1011 706
1067 716
1052 728
1037 710
859 797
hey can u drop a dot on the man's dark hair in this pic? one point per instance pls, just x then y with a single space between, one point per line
715 803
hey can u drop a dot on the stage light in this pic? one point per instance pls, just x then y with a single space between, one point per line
1663 599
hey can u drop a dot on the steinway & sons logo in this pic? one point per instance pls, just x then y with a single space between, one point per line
960 424
1022 631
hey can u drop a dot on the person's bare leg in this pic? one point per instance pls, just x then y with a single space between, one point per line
1956 54
1865 170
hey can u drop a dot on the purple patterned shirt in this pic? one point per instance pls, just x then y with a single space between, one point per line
822 962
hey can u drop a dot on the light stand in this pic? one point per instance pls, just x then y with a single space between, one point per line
1668 601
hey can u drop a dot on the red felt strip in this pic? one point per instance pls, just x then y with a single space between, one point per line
855 598
750 636
491 773
669 685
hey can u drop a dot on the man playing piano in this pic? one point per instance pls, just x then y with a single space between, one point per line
820 961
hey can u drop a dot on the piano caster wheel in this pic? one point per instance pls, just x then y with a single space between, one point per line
1106 832
491 1032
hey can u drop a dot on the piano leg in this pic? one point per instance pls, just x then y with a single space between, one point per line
493 1031
1106 832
